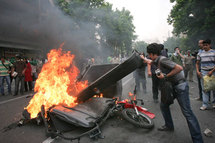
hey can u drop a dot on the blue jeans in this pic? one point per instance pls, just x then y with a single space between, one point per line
19 79
181 92
2 78
206 95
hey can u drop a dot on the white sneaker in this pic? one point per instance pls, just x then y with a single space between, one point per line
203 108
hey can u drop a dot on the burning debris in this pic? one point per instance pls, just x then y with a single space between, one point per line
62 102
57 83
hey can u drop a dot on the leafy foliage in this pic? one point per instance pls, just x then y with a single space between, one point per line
118 30
112 29
140 46
193 18
173 42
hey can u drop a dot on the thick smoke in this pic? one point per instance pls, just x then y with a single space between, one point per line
41 24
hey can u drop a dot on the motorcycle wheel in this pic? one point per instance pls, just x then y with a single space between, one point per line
140 120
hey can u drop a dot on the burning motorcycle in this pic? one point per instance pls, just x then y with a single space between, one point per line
59 118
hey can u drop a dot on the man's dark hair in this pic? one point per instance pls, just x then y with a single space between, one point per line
207 41
18 56
154 48
161 46
175 48
166 50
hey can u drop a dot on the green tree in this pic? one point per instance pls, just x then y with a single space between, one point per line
140 46
114 28
82 10
193 18
118 30
171 43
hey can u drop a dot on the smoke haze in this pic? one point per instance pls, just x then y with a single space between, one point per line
39 24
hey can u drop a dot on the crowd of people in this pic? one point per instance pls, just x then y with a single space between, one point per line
169 75
22 71
190 63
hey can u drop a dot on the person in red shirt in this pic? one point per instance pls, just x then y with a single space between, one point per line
28 76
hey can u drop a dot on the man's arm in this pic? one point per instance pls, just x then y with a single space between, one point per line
10 67
211 72
174 71
25 67
197 69
149 69
180 54
23 72
148 61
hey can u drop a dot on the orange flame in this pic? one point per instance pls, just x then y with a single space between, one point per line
132 96
56 83
100 95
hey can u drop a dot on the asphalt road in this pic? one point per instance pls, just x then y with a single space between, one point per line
115 129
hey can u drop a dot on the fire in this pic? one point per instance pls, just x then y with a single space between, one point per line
57 83
100 95
132 96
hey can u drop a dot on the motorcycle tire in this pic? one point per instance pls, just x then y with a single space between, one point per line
141 120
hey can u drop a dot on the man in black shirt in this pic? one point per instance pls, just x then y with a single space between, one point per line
173 73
